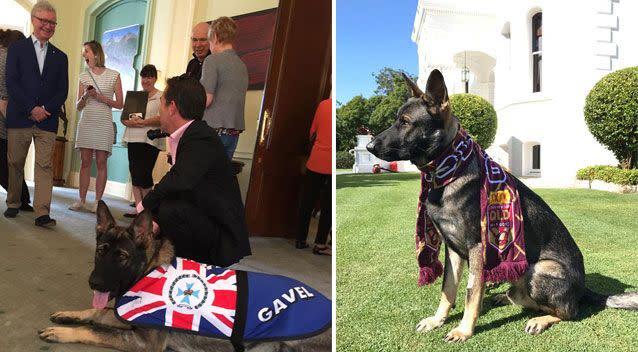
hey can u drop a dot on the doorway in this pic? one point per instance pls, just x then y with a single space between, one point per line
298 79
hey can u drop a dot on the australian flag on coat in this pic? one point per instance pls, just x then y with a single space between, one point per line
223 303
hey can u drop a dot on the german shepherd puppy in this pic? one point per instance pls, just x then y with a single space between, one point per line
123 256
554 283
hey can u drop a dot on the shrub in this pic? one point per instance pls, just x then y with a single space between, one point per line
611 113
345 160
477 117
609 174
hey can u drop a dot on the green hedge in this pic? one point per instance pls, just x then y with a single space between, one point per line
477 117
345 160
609 174
610 111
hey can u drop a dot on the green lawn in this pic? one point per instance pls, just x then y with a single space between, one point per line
379 302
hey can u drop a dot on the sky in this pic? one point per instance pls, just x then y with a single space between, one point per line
372 34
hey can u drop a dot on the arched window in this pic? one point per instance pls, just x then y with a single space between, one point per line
537 51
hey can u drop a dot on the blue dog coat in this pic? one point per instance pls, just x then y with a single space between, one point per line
224 303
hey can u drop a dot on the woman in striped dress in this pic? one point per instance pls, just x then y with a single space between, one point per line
95 134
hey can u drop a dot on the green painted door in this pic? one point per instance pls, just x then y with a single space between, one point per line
123 14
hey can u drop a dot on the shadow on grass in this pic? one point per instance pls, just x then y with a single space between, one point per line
528 314
605 284
601 284
374 180
594 281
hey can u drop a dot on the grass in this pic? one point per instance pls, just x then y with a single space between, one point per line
379 303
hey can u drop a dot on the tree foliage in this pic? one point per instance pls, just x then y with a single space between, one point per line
386 80
350 116
477 117
611 113
377 112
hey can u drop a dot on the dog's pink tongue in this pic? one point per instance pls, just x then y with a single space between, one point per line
100 299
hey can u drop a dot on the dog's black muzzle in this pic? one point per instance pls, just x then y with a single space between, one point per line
97 283
386 146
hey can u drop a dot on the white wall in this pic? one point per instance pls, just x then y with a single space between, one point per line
14 16
572 53
169 49
554 116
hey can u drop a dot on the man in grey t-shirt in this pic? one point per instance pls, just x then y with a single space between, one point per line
225 79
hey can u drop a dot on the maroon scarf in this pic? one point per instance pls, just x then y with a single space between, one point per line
501 218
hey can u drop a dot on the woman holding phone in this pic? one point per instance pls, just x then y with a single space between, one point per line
100 90
143 152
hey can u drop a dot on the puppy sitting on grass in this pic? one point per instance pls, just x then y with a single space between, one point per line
487 218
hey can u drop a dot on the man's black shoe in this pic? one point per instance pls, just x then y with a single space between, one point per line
44 221
11 212
26 207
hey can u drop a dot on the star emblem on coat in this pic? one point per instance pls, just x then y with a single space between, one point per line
188 293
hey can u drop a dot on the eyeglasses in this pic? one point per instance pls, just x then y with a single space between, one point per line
45 21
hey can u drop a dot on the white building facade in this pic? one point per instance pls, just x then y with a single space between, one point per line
535 61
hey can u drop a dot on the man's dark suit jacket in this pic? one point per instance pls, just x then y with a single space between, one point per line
194 68
28 88
202 174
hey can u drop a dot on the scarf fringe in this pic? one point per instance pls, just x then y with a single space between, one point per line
429 274
506 271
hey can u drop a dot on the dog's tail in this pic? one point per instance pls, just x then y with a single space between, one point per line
627 300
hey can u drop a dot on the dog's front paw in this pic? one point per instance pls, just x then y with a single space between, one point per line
56 334
65 318
429 324
537 325
457 335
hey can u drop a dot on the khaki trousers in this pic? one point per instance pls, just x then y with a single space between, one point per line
19 140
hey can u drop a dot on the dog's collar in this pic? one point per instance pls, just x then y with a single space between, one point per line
447 166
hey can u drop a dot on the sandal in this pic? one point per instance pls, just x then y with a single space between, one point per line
79 206
322 250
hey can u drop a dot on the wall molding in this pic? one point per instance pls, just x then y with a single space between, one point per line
606 23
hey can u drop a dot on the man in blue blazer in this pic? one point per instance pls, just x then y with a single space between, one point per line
37 82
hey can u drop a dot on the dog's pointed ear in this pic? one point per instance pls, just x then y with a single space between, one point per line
142 228
416 91
104 218
436 97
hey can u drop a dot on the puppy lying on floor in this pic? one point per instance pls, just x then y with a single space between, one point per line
158 297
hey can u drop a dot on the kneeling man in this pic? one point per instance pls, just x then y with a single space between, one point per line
197 203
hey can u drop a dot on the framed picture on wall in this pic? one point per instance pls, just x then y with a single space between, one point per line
121 45
253 43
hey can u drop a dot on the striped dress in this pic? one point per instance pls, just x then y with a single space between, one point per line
95 129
